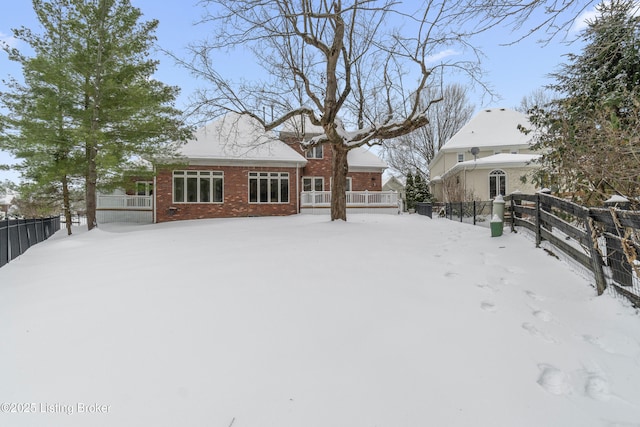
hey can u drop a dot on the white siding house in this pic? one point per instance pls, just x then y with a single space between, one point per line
486 157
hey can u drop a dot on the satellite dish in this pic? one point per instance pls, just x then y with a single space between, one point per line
475 151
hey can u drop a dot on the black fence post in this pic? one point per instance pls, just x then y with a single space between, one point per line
474 212
5 245
538 230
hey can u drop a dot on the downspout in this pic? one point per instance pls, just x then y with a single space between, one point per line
464 187
297 188
155 193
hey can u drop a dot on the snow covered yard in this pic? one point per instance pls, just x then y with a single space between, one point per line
296 321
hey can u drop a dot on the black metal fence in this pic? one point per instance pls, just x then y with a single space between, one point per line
476 213
18 235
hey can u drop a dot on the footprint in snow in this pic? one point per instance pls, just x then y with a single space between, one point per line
534 296
597 342
537 333
543 315
486 287
488 306
597 387
615 343
553 380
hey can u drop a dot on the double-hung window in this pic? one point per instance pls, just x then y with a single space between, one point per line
315 152
312 183
144 188
497 183
268 187
198 186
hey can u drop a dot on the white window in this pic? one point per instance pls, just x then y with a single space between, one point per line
314 153
268 187
460 157
349 187
198 186
312 183
144 188
497 183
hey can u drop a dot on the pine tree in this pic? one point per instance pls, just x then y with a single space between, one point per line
410 191
590 135
421 188
113 108
39 129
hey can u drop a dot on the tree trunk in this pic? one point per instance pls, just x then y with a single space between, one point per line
66 204
92 179
339 182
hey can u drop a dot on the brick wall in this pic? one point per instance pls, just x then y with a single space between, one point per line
360 181
236 196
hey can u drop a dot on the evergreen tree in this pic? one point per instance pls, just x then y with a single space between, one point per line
113 108
421 188
590 135
41 131
410 191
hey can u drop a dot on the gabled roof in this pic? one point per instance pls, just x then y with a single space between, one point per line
301 126
494 127
362 158
393 182
238 138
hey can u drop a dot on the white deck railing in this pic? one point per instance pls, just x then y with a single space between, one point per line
354 198
125 202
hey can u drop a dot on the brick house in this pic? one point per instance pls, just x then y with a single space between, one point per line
233 168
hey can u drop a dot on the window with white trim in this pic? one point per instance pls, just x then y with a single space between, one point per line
314 153
312 183
349 187
198 187
497 183
460 157
268 187
144 188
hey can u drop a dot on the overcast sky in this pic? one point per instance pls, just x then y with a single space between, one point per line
513 70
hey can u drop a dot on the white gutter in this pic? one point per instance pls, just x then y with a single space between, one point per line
155 192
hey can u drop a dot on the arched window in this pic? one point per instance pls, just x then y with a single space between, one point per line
497 183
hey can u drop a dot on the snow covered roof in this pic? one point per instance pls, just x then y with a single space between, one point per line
362 158
7 199
502 160
235 138
493 127
299 126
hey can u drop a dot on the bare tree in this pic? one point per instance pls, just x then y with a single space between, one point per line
539 98
523 15
414 151
341 64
